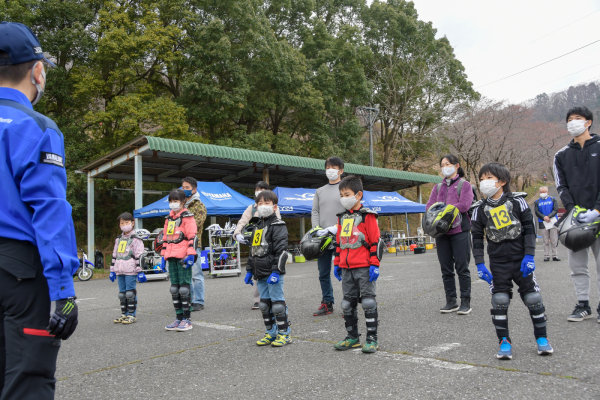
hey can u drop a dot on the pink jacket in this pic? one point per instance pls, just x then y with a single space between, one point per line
126 255
178 226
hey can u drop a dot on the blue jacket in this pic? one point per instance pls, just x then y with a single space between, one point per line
33 204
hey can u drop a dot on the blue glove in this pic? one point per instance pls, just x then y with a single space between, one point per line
273 278
189 261
373 273
112 276
248 279
527 265
483 273
337 272
141 277
163 264
587 217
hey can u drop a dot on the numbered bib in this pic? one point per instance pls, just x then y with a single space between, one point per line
257 238
171 228
347 225
122 246
501 217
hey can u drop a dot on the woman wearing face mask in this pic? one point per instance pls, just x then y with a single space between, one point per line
179 254
248 214
453 248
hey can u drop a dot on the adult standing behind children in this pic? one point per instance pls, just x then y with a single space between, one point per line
326 206
546 208
38 252
577 174
453 248
248 214
194 205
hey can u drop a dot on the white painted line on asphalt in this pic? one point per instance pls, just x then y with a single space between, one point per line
425 361
433 350
215 326
88 298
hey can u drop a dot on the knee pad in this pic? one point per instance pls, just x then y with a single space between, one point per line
369 304
265 305
500 301
533 301
130 294
174 290
348 304
278 307
122 296
184 291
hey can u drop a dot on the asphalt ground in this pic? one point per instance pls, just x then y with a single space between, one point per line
423 354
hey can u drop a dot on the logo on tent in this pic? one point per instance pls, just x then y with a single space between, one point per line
388 198
301 197
217 196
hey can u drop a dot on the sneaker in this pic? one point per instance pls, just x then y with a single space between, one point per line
254 306
130 319
505 351
546 259
580 313
347 344
281 340
324 309
119 320
267 340
544 348
197 307
465 307
184 325
370 346
555 259
451 306
173 325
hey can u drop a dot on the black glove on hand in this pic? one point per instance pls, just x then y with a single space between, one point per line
64 319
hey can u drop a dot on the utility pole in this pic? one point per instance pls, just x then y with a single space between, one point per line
369 115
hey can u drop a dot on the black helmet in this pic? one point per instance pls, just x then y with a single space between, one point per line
440 218
249 228
575 235
313 246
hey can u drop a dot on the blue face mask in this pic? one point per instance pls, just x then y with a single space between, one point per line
188 193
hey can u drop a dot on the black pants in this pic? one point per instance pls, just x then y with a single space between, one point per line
504 273
454 253
27 352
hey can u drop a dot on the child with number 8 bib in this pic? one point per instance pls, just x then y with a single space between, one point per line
507 222
179 255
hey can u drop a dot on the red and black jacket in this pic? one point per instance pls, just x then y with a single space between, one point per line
366 254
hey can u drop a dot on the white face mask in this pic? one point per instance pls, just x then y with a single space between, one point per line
576 127
543 195
488 187
348 202
175 205
127 228
264 211
332 173
448 171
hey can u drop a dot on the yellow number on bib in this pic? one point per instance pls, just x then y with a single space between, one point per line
122 246
347 225
171 228
257 237
501 217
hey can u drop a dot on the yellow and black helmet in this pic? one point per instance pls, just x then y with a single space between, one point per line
440 218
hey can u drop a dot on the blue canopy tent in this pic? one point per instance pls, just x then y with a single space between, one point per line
218 198
294 201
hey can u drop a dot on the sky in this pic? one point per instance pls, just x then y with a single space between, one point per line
494 39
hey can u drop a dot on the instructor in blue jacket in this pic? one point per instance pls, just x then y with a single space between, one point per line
38 253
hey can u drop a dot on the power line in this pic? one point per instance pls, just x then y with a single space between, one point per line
539 65
563 27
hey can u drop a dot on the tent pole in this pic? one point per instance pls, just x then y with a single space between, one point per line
90 217
407 229
137 164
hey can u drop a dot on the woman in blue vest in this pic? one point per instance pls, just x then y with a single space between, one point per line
546 208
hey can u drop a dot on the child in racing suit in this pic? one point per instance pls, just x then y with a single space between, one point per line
266 264
507 222
356 264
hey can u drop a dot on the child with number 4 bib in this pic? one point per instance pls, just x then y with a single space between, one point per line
506 220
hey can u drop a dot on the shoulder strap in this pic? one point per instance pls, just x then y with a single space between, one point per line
461 181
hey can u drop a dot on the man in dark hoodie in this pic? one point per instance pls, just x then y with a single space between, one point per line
577 174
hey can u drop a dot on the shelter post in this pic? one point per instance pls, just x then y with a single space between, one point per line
138 188
420 197
302 230
265 174
90 217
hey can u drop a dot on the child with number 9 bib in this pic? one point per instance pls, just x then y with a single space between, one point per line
179 254
356 264
266 264
507 222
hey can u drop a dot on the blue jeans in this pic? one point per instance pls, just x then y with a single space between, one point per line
127 282
324 263
273 292
197 281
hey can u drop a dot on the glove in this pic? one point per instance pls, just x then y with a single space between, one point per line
527 265
330 229
483 273
188 261
248 279
163 263
142 277
241 239
64 319
273 278
587 217
373 273
112 276
337 272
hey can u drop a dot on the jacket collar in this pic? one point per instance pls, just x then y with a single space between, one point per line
15 95
587 143
194 197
